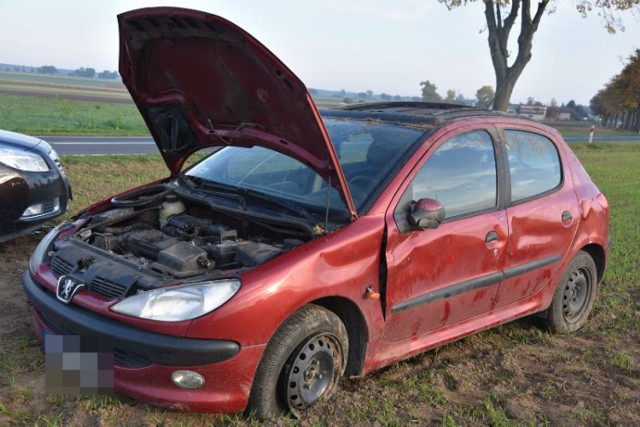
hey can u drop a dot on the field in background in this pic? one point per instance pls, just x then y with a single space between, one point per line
51 116
60 80
65 98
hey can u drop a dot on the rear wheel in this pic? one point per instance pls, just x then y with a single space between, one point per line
301 365
574 296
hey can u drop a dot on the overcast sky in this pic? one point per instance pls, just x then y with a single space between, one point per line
357 45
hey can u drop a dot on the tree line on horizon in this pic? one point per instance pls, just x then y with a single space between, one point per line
485 97
618 103
78 72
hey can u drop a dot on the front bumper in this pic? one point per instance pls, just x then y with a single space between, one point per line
69 319
19 190
144 361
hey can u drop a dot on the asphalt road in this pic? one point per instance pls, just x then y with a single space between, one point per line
98 145
602 138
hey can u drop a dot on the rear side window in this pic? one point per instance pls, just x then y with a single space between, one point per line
461 174
534 164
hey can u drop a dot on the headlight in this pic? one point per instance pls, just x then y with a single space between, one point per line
23 160
178 303
41 253
53 154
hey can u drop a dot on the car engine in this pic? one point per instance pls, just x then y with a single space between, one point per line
127 249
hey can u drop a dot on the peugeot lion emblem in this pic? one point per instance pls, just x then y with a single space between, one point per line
67 288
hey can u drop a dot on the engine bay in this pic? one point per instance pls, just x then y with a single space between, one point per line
164 239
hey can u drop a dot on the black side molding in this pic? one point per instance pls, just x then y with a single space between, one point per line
473 284
530 266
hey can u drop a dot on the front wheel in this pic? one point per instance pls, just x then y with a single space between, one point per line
574 296
301 365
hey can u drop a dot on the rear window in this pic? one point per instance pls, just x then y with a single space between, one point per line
534 164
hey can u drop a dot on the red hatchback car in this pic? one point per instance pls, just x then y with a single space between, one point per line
309 245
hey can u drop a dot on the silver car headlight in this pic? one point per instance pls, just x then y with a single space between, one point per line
23 160
178 303
53 154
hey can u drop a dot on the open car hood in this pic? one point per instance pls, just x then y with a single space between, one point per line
201 81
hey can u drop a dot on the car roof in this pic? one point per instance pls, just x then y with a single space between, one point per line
425 114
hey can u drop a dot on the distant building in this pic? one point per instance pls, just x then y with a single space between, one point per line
535 112
564 116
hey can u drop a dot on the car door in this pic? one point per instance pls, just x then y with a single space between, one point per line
542 211
438 277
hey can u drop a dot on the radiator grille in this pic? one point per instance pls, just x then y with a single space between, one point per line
98 285
107 288
60 266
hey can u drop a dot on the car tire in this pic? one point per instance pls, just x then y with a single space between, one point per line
301 365
574 296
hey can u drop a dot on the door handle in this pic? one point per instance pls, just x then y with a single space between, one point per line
566 216
492 236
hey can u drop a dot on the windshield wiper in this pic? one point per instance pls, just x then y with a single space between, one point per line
201 184
302 212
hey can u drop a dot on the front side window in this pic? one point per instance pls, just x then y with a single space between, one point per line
534 164
370 153
461 174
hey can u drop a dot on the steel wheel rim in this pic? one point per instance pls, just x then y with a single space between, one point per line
576 293
313 371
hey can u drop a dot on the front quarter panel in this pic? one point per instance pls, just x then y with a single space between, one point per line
342 264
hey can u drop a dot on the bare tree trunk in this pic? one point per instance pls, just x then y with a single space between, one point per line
628 120
635 125
499 30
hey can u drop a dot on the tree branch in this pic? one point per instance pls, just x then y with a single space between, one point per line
536 19
490 17
513 14
526 13
508 25
498 55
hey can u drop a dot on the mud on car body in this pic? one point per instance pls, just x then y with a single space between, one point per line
309 245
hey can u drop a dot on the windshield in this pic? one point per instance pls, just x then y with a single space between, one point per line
369 153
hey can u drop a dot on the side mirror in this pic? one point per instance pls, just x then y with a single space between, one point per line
426 213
